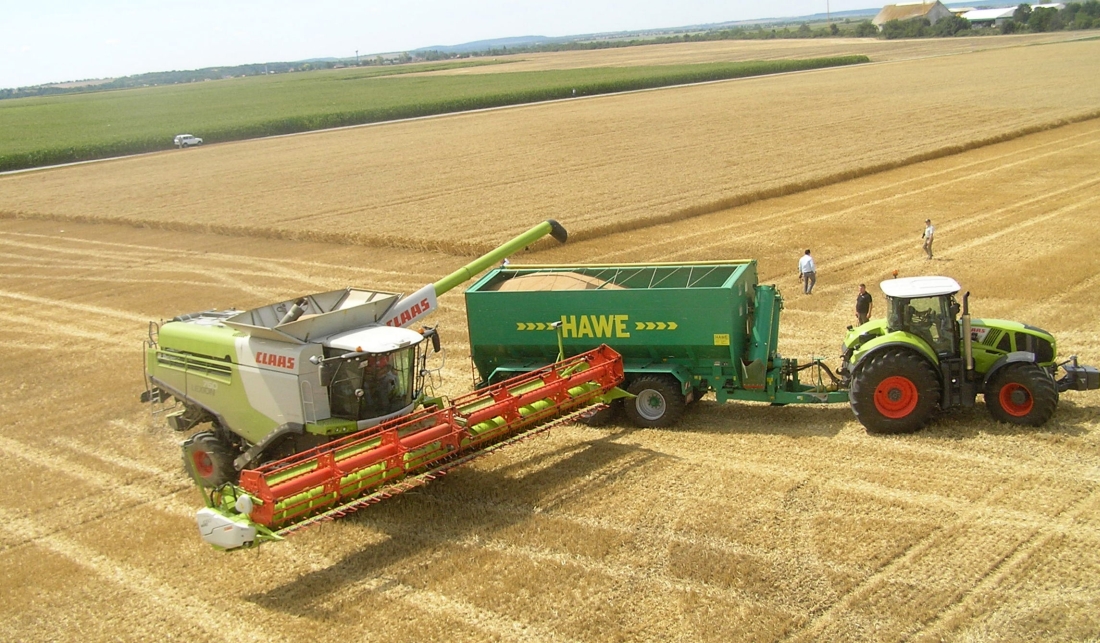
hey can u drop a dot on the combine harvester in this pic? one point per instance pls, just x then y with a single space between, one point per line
317 405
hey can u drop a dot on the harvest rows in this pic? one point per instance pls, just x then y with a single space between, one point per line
605 164
746 522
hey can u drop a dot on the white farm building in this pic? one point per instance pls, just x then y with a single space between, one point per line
999 16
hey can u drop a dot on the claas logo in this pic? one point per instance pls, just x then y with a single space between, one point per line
409 314
278 361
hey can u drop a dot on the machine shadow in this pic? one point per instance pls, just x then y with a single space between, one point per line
466 502
794 420
1070 420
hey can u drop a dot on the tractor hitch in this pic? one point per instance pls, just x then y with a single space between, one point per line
1077 377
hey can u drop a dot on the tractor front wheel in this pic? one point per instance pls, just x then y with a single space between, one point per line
209 460
657 402
1021 394
895 391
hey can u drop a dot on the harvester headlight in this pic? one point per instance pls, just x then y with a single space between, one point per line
244 504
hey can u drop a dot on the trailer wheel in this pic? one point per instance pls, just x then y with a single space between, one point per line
895 391
658 401
1022 394
209 460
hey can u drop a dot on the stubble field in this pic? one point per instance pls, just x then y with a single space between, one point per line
745 522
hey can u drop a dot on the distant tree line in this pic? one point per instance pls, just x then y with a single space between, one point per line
1075 15
847 28
165 78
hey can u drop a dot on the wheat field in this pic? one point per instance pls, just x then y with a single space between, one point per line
745 522
605 163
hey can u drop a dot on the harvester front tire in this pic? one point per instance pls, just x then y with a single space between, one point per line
658 401
1023 394
895 391
209 460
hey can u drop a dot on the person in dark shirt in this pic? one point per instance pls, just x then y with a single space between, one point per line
864 304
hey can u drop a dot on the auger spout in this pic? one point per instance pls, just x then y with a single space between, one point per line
422 302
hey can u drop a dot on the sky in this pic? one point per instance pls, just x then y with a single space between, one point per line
49 41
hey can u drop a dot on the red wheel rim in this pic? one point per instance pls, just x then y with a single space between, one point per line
203 464
1016 399
896 397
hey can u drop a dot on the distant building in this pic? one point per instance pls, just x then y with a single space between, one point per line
989 17
999 16
930 11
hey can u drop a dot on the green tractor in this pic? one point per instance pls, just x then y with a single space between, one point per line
923 357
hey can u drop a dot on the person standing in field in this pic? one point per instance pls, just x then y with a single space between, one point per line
929 231
807 272
864 305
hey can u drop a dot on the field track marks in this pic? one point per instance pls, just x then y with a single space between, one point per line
970 605
481 619
783 217
953 536
64 334
660 584
179 603
348 596
293 269
935 186
979 222
74 307
161 496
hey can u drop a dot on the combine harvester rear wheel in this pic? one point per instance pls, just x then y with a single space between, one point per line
384 460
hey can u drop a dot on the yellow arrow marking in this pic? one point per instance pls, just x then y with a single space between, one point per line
655 325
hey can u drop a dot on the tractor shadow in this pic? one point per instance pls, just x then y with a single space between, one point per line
467 504
746 418
1071 419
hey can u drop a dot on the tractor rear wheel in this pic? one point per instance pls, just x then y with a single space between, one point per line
1021 394
209 460
657 402
895 391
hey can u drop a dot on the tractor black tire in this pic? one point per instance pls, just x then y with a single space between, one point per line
209 460
895 391
658 401
1023 394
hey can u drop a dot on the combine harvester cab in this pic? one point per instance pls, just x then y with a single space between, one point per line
683 330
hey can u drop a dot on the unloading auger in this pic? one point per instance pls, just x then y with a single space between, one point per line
381 461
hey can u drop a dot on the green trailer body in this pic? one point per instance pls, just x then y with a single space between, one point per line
711 326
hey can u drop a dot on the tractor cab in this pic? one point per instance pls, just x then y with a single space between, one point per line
925 307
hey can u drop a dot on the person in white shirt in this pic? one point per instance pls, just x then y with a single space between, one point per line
807 272
929 230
